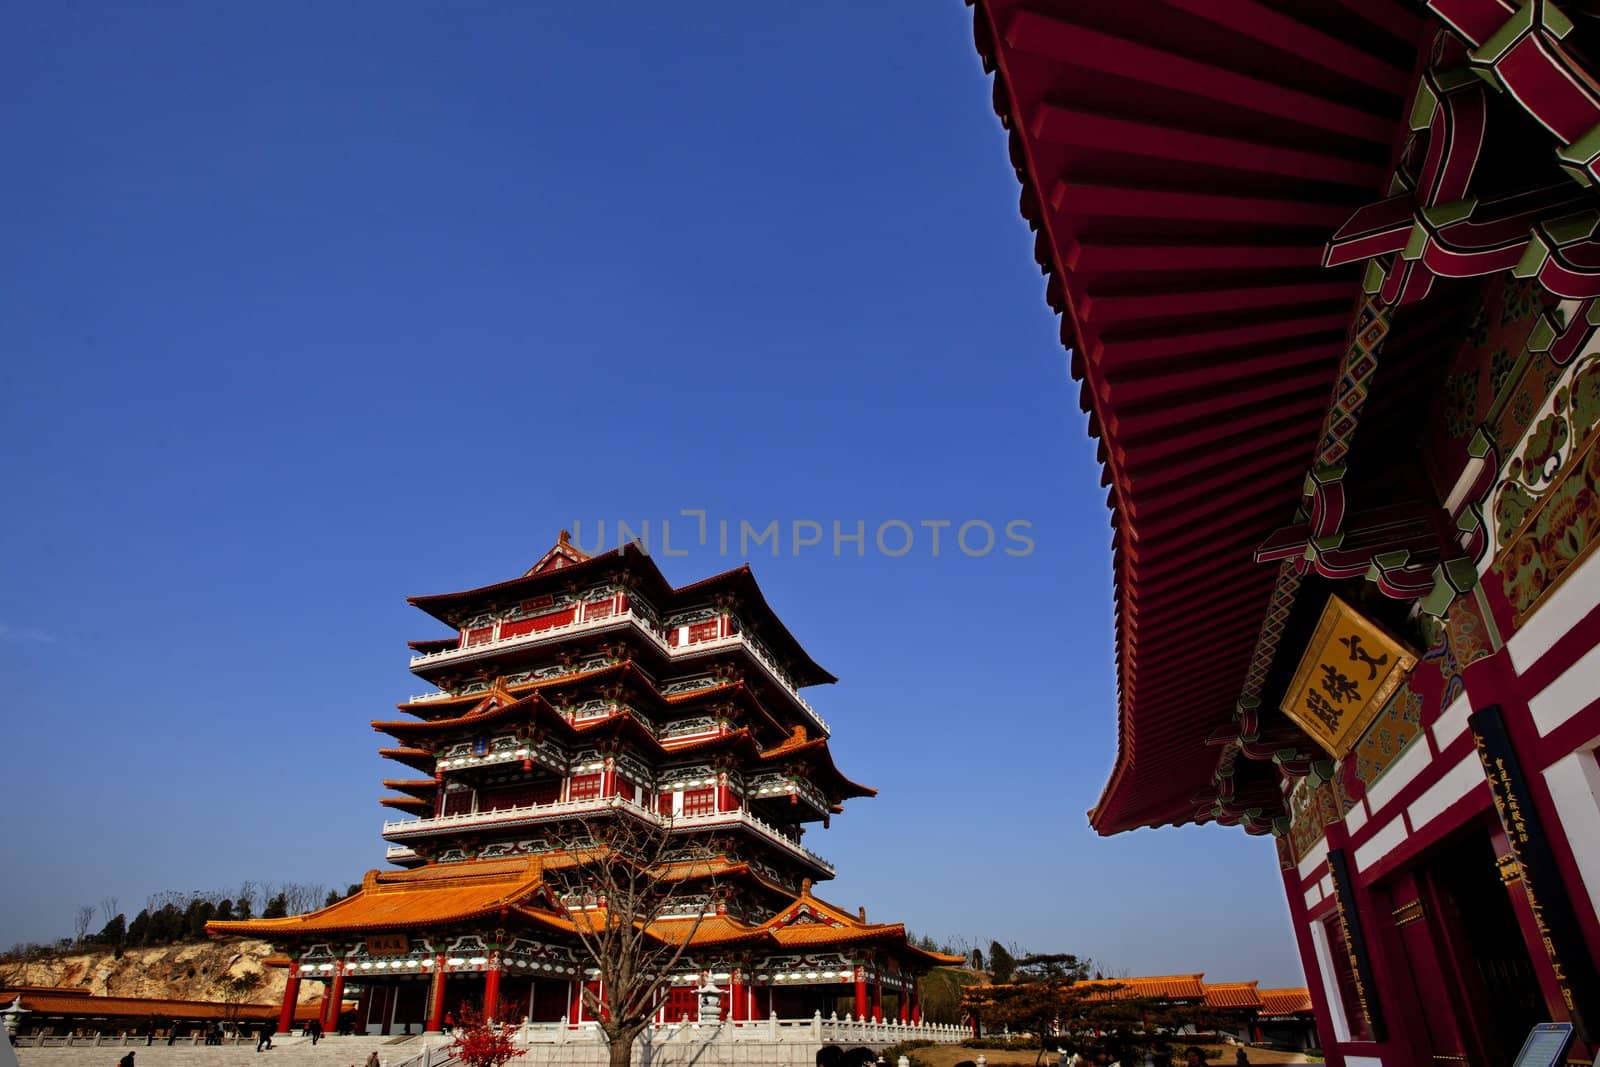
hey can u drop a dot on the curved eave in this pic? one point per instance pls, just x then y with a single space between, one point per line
1181 165
402 729
422 788
759 617
416 758
738 691
411 805
816 754
448 607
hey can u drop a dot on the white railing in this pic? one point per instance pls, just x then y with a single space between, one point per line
644 627
533 637
439 694
814 1030
402 829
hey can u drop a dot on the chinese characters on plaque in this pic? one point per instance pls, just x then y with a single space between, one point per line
388 945
1350 670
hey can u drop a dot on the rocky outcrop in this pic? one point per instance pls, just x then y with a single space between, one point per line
187 971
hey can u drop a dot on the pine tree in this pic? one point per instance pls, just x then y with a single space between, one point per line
1001 963
114 934
139 929
277 908
199 912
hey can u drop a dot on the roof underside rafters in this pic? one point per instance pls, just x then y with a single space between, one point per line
1182 164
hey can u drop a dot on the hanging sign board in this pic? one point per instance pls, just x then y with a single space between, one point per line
388 945
1348 673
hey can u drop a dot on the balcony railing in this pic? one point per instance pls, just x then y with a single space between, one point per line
809 1031
640 624
408 829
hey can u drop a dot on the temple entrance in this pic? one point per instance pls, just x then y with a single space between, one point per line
802 1001
1475 940
397 1007
1491 938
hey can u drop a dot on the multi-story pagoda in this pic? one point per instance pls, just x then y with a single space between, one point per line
590 688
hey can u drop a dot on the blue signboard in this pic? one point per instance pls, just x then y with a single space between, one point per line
1546 1045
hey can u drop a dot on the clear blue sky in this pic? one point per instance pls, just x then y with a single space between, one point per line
308 307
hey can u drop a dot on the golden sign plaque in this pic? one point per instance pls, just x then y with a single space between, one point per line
388 945
1350 670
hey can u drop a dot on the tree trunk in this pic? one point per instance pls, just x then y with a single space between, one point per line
621 1049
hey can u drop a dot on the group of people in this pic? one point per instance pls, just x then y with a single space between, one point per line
1193 1056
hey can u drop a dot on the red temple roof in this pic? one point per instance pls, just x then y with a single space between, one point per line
1182 164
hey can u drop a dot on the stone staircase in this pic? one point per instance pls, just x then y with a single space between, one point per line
286 1051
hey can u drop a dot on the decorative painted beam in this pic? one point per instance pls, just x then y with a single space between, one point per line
1518 48
1561 332
1564 256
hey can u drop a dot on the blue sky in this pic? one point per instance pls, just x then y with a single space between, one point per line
305 308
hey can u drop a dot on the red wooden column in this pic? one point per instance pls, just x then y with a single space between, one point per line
330 1009
576 1014
1300 920
724 793
436 1009
491 988
916 1008
877 994
291 996
861 992
738 1004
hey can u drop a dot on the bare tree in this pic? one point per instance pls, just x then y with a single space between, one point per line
82 919
630 874
108 908
235 990
247 897
301 897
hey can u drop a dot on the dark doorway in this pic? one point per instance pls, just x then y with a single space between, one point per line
1495 968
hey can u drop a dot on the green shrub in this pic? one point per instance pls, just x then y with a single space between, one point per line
1009 1043
907 1049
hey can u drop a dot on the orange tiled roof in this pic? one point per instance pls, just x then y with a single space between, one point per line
1280 1002
75 1003
812 921
436 894
1232 995
1161 987
427 896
